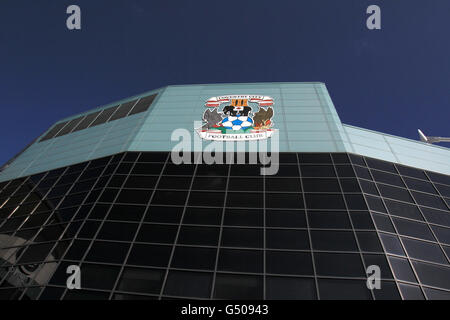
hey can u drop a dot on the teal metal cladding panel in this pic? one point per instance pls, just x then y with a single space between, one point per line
305 117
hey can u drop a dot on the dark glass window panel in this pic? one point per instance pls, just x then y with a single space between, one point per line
403 210
287 239
345 171
99 211
207 216
380 261
194 258
107 252
51 233
212 170
391 244
433 275
340 158
208 236
289 288
328 220
87 121
68 179
34 253
101 183
283 184
89 229
77 250
433 294
368 241
436 216
243 170
70 126
170 182
284 200
413 229
231 286
375 204
429 200
137 196
123 110
324 201
240 260
157 233
388 291
154 157
355 202
314 158
288 157
362 173
443 234
317 171
108 195
333 240
117 181
286 218
443 189
141 280
207 183
46 183
245 184
147 168
126 213
245 200
420 185
411 172
163 214
82 186
117 231
362 220
56 128
336 289
120 296
201 198
72 229
104 116
35 220
141 182
410 292
289 262
51 293
188 284
243 217
287 171
424 251
383 222
91 174
321 185
380 165
169 197
394 193
131 156
143 104
339 264
402 269
124 168
76 168
439 178
179 170
242 237
149 255
350 185
384 177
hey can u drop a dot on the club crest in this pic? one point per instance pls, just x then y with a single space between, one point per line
237 118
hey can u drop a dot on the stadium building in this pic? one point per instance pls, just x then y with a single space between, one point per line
126 193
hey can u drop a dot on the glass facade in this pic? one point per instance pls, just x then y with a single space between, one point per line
141 227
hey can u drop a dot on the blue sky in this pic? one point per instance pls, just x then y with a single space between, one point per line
393 80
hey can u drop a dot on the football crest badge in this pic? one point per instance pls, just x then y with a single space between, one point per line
237 118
